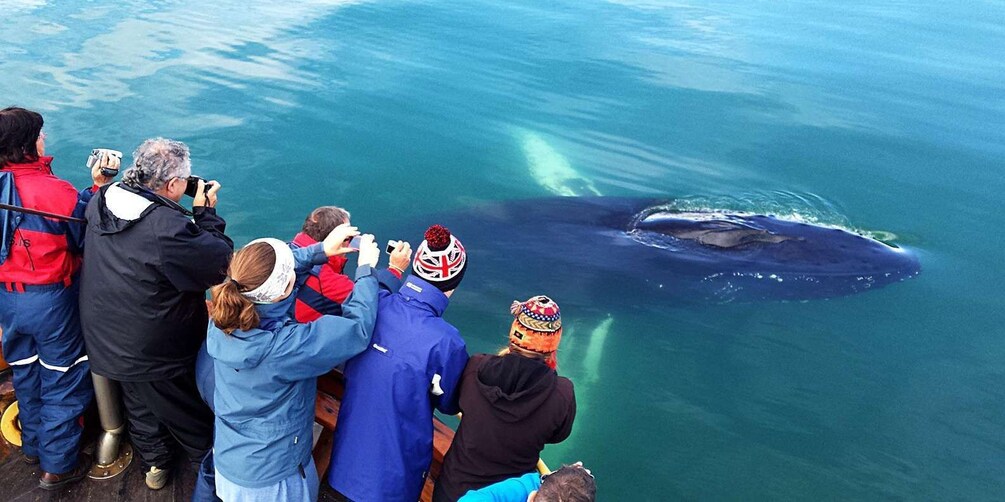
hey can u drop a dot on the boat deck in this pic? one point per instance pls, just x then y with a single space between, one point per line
19 481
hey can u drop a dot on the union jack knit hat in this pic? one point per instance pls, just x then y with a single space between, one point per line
440 259
537 327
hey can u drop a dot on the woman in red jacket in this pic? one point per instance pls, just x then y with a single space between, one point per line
38 300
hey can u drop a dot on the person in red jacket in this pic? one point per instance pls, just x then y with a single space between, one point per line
327 287
42 339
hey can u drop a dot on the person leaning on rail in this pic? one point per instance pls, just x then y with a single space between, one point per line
142 298
265 365
384 434
570 483
39 261
513 403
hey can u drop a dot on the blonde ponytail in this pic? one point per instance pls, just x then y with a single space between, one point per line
249 268
231 310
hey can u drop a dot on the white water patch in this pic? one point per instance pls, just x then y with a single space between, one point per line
550 169
595 349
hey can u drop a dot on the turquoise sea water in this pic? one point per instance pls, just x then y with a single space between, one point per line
882 118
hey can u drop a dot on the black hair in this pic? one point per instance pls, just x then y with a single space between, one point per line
19 130
569 484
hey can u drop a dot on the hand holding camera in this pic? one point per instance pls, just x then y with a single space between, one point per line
369 253
401 255
202 192
104 165
338 240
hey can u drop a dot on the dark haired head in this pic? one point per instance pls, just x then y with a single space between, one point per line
323 220
571 483
19 130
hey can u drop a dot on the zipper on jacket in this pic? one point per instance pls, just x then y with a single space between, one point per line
27 249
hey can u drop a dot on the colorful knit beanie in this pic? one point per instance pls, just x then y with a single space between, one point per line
537 327
440 259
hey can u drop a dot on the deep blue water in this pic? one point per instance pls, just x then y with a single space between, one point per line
879 118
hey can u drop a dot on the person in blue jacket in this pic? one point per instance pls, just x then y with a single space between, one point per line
384 435
570 483
265 364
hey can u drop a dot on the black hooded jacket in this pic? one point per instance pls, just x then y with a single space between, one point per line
146 270
512 407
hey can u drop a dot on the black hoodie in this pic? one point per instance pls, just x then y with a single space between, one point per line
143 286
512 407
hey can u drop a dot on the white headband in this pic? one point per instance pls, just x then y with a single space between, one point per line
279 279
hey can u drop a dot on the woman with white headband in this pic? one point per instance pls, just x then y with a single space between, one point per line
266 365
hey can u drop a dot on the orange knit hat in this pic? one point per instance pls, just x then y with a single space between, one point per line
537 327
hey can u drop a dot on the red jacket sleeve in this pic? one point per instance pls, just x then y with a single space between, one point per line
335 285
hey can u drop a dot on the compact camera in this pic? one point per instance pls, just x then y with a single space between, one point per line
193 186
99 154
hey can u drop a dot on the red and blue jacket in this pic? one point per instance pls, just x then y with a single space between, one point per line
326 287
44 250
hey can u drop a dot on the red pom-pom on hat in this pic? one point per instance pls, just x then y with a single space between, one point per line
437 238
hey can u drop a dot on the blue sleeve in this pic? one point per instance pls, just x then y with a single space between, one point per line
205 377
510 490
450 362
305 258
75 231
388 281
313 349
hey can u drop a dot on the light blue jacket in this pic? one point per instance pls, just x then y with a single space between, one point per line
266 379
510 490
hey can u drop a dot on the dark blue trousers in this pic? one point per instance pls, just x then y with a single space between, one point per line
43 344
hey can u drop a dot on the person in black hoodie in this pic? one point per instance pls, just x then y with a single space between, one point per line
142 298
512 404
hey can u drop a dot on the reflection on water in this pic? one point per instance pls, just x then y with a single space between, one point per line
859 115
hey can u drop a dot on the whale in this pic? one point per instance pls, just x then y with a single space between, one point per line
615 250
550 169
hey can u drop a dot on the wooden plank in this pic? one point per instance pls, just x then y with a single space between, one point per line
326 411
323 453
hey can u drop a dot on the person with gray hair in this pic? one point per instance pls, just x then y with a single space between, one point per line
142 298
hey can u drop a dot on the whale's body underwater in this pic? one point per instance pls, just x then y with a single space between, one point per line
602 250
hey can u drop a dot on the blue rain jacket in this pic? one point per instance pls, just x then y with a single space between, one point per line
384 437
266 379
510 490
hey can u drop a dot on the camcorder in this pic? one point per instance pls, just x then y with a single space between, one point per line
192 187
99 154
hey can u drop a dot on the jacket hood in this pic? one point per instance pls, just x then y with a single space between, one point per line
241 349
516 386
43 163
120 206
337 262
246 349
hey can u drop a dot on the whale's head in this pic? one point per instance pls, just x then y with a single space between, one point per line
748 256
